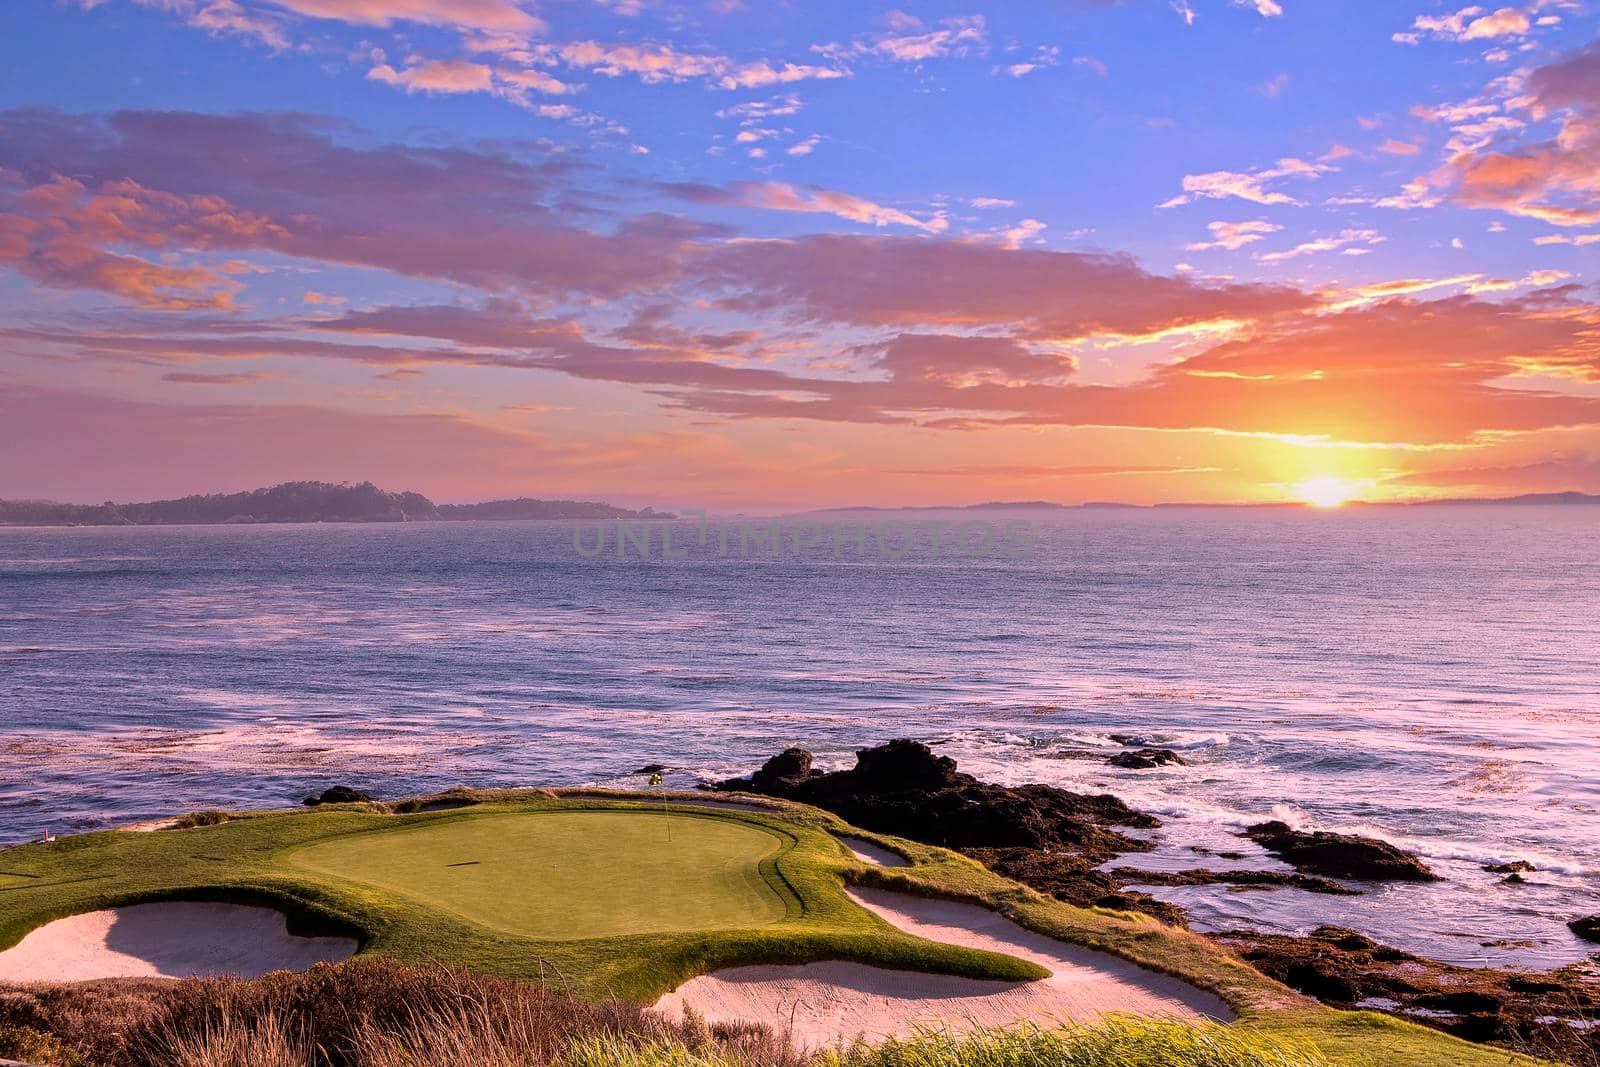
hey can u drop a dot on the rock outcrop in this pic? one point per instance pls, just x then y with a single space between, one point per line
1363 859
1528 1011
1145 758
903 788
1045 837
339 794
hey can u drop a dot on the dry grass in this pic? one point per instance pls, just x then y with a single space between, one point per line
363 1013
380 1013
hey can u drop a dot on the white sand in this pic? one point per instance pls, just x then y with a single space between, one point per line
823 1004
876 855
166 940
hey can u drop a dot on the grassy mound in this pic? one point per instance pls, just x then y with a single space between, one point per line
586 892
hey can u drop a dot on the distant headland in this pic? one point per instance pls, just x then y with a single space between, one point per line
1527 499
303 502
293 502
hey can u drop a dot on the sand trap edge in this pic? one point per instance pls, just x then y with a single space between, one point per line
168 939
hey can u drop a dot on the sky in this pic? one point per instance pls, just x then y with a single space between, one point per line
767 254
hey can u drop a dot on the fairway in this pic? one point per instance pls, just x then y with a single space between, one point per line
569 875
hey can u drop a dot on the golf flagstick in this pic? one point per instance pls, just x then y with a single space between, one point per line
666 806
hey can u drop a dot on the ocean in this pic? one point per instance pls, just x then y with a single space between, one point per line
1430 676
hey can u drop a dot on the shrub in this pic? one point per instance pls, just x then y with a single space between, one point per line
36 1046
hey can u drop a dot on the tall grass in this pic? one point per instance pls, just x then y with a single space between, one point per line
1114 1042
1117 1041
620 1052
368 1012
374 1012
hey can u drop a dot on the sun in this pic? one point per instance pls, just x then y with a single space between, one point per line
1325 492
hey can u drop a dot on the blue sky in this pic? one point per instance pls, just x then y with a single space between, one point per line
1249 177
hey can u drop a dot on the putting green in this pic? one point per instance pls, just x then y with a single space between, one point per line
569 875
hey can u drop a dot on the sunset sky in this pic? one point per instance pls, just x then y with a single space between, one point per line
780 254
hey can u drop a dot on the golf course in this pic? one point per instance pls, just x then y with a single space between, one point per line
675 901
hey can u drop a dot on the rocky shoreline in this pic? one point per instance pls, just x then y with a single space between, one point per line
1059 842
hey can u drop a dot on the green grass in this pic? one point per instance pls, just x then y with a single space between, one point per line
604 914
1111 1042
775 888
570 875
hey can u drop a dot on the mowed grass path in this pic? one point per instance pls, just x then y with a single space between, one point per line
570 875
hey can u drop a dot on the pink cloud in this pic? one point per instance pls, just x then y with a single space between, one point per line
906 281
1246 185
812 200
1557 181
922 329
958 36
467 14
285 184
654 63
200 378
436 76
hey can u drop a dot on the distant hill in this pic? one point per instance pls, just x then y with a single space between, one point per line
301 502
1526 498
529 508
1544 499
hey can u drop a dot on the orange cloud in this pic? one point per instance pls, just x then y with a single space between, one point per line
1557 181
866 329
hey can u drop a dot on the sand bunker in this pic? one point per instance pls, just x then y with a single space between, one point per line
823 1004
876 855
174 939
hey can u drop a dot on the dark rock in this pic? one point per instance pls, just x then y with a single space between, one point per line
1046 837
1482 1027
903 788
784 771
1349 940
1514 867
1511 1008
1587 927
1145 758
906 765
339 794
1532 984
1323 983
1339 855
1072 878
1513 879
652 768
1461 1002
